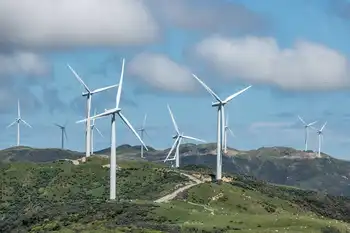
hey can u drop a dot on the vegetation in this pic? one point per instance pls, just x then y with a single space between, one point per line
62 197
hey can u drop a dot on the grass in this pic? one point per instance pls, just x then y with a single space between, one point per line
62 197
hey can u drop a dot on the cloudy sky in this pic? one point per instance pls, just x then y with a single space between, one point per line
294 53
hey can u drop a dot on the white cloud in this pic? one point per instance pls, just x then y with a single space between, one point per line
52 23
208 15
161 72
305 66
22 63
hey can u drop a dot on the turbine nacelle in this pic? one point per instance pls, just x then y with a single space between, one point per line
218 103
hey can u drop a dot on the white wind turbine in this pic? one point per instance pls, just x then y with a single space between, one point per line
220 121
93 127
18 121
178 138
320 138
112 112
306 126
143 131
63 133
227 129
88 94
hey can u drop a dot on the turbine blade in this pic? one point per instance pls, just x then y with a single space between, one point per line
103 88
192 138
26 123
18 110
147 134
60 126
65 133
226 120
231 132
144 121
79 79
228 99
98 131
11 124
207 88
119 92
132 129
312 123
301 119
171 149
106 113
323 126
173 120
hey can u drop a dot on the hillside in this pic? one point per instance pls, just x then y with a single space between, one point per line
280 165
28 154
62 197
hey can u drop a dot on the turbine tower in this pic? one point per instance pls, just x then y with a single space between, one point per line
93 127
112 112
178 138
88 94
18 120
63 134
143 131
227 129
306 126
220 122
320 138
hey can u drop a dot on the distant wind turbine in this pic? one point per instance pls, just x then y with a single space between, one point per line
93 127
112 113
88 94
320 138
18 121
227 129
220 122
178 138
143 132
306 126
63 133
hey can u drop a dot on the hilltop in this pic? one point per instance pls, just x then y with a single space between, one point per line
280 165
63 197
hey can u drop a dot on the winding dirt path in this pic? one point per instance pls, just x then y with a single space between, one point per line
172 195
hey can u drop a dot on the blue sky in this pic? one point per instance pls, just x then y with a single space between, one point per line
294 53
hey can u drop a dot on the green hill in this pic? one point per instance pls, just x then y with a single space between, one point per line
279 165
63 197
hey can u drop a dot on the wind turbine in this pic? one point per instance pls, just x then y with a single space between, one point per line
320 138
63 133
112 112
18 121
93 127
306 126
178 138
143 131
88 94
227 129
220 121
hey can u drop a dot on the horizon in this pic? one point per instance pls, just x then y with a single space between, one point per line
295 67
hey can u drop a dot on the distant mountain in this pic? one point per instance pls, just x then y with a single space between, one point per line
28 154
280 165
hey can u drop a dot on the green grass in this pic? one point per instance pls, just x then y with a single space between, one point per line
62 197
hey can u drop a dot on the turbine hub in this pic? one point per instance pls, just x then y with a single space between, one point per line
216 104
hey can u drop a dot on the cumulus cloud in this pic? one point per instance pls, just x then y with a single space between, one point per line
208 15
305 66
161 72
51 23
22 63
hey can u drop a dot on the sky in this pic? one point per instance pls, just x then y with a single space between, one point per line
295 54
